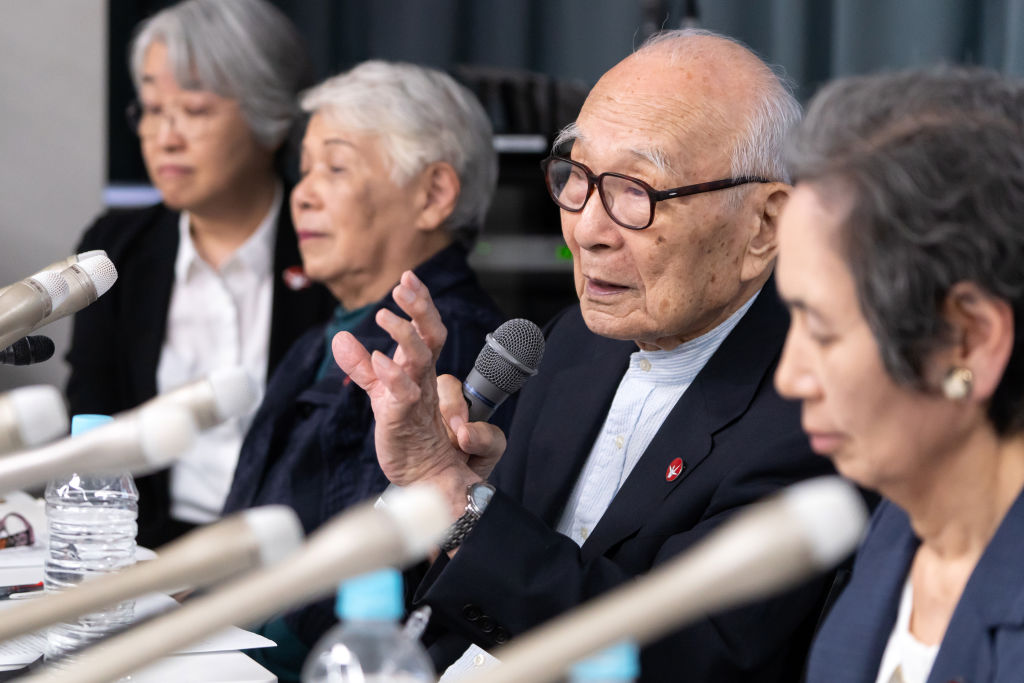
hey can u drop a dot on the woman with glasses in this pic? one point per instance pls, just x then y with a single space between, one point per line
210 277
901 254
397 172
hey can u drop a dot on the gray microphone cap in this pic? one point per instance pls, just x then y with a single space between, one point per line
511 355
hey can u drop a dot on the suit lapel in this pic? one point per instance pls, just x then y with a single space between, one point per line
563 435
147 300
992 605
720 393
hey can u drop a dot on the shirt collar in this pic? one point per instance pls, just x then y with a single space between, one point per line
255 254
686 360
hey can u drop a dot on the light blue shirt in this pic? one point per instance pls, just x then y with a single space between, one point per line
647 393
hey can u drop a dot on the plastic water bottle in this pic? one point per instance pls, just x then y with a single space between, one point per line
369 645
92 527
619 663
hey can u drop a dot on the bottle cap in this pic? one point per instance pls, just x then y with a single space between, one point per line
80 424
618 662
376 596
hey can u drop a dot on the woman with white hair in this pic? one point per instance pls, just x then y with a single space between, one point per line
397 171
210 277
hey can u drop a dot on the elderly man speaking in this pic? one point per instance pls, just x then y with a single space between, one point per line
653 416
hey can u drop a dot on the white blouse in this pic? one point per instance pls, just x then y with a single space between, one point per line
906 659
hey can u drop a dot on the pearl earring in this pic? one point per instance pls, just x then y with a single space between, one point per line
957 384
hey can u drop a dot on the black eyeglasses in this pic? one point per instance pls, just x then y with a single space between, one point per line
629 201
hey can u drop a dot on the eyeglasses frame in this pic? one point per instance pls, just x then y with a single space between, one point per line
653 195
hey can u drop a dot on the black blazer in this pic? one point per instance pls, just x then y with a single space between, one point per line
116 342
738 441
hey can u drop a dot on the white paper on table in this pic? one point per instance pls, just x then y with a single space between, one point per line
27 649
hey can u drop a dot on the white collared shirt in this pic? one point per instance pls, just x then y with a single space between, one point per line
906 659
218 318
652 385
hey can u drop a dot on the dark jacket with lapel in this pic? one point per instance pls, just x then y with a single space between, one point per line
116 342
984 642
311 445
739 442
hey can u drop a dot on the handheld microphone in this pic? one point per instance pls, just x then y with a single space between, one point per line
356 541
65 262
87 280
27 351
140 443
30 416
221 395
24 304
768 547
510 357
258 537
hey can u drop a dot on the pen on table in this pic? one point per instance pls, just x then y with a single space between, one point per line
9 591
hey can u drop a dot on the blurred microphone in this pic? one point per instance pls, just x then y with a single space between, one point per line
510 357
764 549
258 537
354 542
140 442
87 280
30 416
24 304
221 395
67 261
27 351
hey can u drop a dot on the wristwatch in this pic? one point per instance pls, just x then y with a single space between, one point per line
478 496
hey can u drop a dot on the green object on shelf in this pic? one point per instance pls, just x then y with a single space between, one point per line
484 248
563 253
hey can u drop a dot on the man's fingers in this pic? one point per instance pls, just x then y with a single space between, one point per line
412 296
353 359
481 439
401 387
452 402
412 353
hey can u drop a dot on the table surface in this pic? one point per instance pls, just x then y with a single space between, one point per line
201 667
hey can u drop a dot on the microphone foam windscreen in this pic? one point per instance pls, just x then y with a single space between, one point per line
101 272
41 413
234 391
511 354
55 286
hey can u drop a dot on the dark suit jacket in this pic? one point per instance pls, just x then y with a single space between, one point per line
311 445
984 642
116 342
739 442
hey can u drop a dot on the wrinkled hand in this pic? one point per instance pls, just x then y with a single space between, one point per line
482 442
413 442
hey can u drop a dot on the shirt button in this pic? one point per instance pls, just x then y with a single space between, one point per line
478 660
645 364
619 441
584 532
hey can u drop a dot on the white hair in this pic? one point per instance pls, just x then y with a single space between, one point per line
245 50
422 116
760 148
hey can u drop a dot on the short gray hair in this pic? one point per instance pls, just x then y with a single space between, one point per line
760 148
933 161
245 50
422 116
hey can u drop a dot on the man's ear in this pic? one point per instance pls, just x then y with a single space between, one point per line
763 239
982 328
437 191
